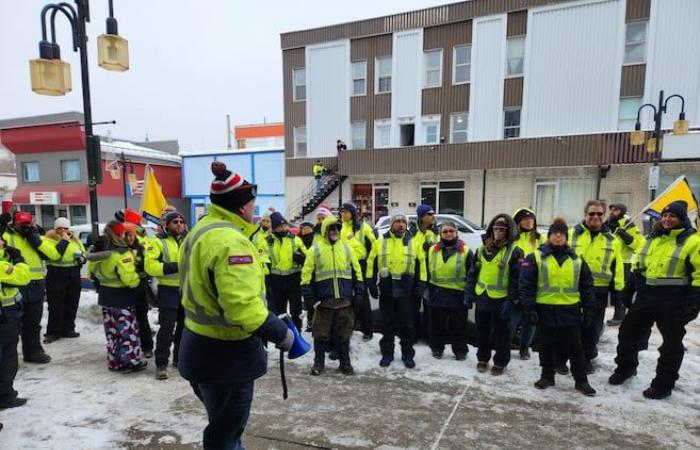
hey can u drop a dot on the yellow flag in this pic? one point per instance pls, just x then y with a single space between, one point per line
678 190
152 201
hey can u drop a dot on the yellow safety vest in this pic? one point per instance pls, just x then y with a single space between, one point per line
74 248
9 282
599 253
638 241
450 274
117 271
493 275
557 284
162 250
37 266
662 260
525 243
356 239
281 254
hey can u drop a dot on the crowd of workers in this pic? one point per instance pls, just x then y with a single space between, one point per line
221 286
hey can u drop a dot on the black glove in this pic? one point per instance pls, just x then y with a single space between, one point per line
298 258
530 316
372 287
309 302
169 268
624 235
468 301
14 254
588 315
688 313
33 238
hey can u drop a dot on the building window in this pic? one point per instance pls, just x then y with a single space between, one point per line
461 64
511 123
359 133
445 197
458 128
359 78
515 56
383 75
433 68
382 134
70 170
300 142
627 114
407 134
240 143
432 131
78 215
30 172
635 42
31 209
299 84
562 197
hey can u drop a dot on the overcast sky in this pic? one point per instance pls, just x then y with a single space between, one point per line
192 62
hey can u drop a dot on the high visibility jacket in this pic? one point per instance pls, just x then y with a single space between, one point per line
662 260
11 276
221 277
494 276
280 254
602 254
69 258
258 239
360 240
524 242
426 238
331 270
118 270
318 170
162 251
33 257
557 284
398 260
628 250
450 274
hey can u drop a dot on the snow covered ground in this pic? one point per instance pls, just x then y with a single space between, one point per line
75 403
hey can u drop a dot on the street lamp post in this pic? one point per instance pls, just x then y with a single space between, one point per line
51 76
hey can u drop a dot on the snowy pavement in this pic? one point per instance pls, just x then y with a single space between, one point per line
75 403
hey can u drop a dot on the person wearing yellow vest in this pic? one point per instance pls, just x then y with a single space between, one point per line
592 240
36 250
308 237
449 261
331 281
63 283
426 233
555 286
360 237
399 263
13 273
318 170
529 240
666 275
493 286
223 288
285 257
631 241
162 256
112 266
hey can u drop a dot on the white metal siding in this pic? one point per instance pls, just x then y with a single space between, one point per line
674 58
487 69
406 73
573 56
327 97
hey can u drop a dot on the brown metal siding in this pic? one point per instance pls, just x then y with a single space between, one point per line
369 107
637 9
301 167
423 18
294 112
517 23
513 92
632 82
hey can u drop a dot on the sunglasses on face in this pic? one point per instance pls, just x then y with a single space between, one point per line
448 231
595 214
499 228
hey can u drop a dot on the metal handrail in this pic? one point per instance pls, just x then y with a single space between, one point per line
295 208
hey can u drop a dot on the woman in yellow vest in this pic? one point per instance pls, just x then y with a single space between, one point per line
112 266
555 286
449 261
493 286
63 282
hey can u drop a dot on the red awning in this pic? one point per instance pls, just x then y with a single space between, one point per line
69 194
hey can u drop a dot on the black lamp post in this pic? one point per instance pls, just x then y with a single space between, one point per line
51 76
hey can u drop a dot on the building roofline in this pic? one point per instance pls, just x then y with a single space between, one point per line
255 125
44 119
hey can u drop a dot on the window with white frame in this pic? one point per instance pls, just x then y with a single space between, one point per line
359 133
300 141
461 64
299 76
431 128
515 56
70 170
359 78
635 42
564 197
383 70
511 123
433 68
30 172
627 113
458 128
445 197
382 134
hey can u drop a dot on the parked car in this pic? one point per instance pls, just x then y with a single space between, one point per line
469 232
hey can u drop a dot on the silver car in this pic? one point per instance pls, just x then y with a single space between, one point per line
469 232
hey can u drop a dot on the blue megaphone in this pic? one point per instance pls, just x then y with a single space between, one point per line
300 346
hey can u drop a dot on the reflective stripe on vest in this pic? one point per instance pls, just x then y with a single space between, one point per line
603 274
166 258
565 295
41 270
501 280
326 274
544 273
384 264
273 259
669 280
459 264
103 279
10 301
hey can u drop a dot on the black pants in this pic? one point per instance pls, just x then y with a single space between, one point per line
171 322
145 332
62 296
397 318
33 296
448 325
286 289
637 324
228 409
363 308
590 335
492 333
10 323
564 341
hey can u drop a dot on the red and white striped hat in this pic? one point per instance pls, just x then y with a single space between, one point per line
229 190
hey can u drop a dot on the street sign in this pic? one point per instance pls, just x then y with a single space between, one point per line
44 198
653 177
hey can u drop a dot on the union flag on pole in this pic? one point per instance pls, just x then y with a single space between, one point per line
152 201
678 190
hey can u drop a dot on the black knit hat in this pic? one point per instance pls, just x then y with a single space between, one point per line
559 226
172 216
276 219
229 190
621 206
679 208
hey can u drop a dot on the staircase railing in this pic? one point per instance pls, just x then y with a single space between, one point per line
296 207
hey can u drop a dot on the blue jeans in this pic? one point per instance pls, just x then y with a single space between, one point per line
228 408
319 184
527 330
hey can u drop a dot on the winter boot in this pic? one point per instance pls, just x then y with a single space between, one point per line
367 337
460 356
317 369
437 354
49 338
161 373
482 366
497 370
13 402
71 334
346 368
38 358
655 393
524 353
617 378
544 383
148 354
386 360
585 389
617 317
408 362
